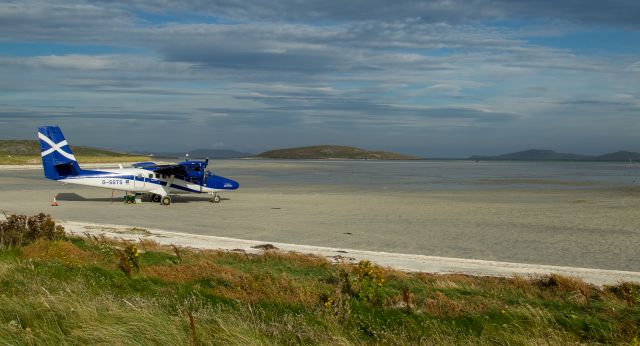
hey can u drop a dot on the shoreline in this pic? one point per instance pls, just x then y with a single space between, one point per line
404 262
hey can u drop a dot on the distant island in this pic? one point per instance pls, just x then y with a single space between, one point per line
550 155
201 154
332 152
20 152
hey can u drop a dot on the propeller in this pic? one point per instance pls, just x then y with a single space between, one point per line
204 172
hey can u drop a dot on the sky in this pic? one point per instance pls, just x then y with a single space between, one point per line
445 78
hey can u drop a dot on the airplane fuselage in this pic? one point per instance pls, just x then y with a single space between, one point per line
137 180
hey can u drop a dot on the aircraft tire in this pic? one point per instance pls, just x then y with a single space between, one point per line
216 199
166 200
156 198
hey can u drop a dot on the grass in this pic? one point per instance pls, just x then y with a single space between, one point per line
71 291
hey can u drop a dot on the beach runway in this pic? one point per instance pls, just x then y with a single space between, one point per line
580 227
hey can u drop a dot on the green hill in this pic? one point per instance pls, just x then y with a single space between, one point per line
28 152
332 152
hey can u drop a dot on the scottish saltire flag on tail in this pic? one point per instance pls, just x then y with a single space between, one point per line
57 158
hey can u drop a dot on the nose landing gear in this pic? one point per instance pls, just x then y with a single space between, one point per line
215 199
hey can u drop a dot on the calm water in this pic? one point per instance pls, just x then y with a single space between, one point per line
431 175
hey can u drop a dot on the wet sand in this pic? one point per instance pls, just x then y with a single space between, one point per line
578 227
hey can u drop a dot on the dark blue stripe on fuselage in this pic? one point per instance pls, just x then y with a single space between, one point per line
111 175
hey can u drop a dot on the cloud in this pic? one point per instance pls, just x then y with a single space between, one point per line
254 73
50 113
44 20
72 61
616 12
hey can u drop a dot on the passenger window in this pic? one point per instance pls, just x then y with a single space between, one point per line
150 175
157 176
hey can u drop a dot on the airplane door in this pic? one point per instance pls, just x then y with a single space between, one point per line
169 182
139 181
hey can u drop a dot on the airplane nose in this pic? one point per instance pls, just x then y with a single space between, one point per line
222 183
233 184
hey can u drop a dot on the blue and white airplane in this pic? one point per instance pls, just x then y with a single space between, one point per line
159 182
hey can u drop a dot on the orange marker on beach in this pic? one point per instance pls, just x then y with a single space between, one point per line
55 203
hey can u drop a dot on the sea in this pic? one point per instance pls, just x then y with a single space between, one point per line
431 174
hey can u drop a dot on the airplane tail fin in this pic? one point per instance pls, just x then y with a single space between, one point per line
57 158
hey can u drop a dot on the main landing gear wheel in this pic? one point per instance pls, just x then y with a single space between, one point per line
166 200
156 198
215 199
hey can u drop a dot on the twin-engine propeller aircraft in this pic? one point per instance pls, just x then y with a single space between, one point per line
148 178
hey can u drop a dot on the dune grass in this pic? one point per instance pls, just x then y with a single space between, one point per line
72 291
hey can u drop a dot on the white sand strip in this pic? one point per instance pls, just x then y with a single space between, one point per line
429 264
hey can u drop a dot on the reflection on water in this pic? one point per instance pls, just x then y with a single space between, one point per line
431 175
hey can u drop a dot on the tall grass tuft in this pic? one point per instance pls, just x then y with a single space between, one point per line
629 291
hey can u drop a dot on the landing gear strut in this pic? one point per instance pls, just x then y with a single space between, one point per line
166 200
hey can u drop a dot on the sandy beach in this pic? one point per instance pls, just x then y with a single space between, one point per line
416 263
588 227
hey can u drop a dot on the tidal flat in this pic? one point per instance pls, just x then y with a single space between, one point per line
556 213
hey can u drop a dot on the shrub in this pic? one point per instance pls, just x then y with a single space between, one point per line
338 304
19 230
370 281
129 259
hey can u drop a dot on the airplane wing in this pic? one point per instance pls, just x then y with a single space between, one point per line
161 169
144 165
170 170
